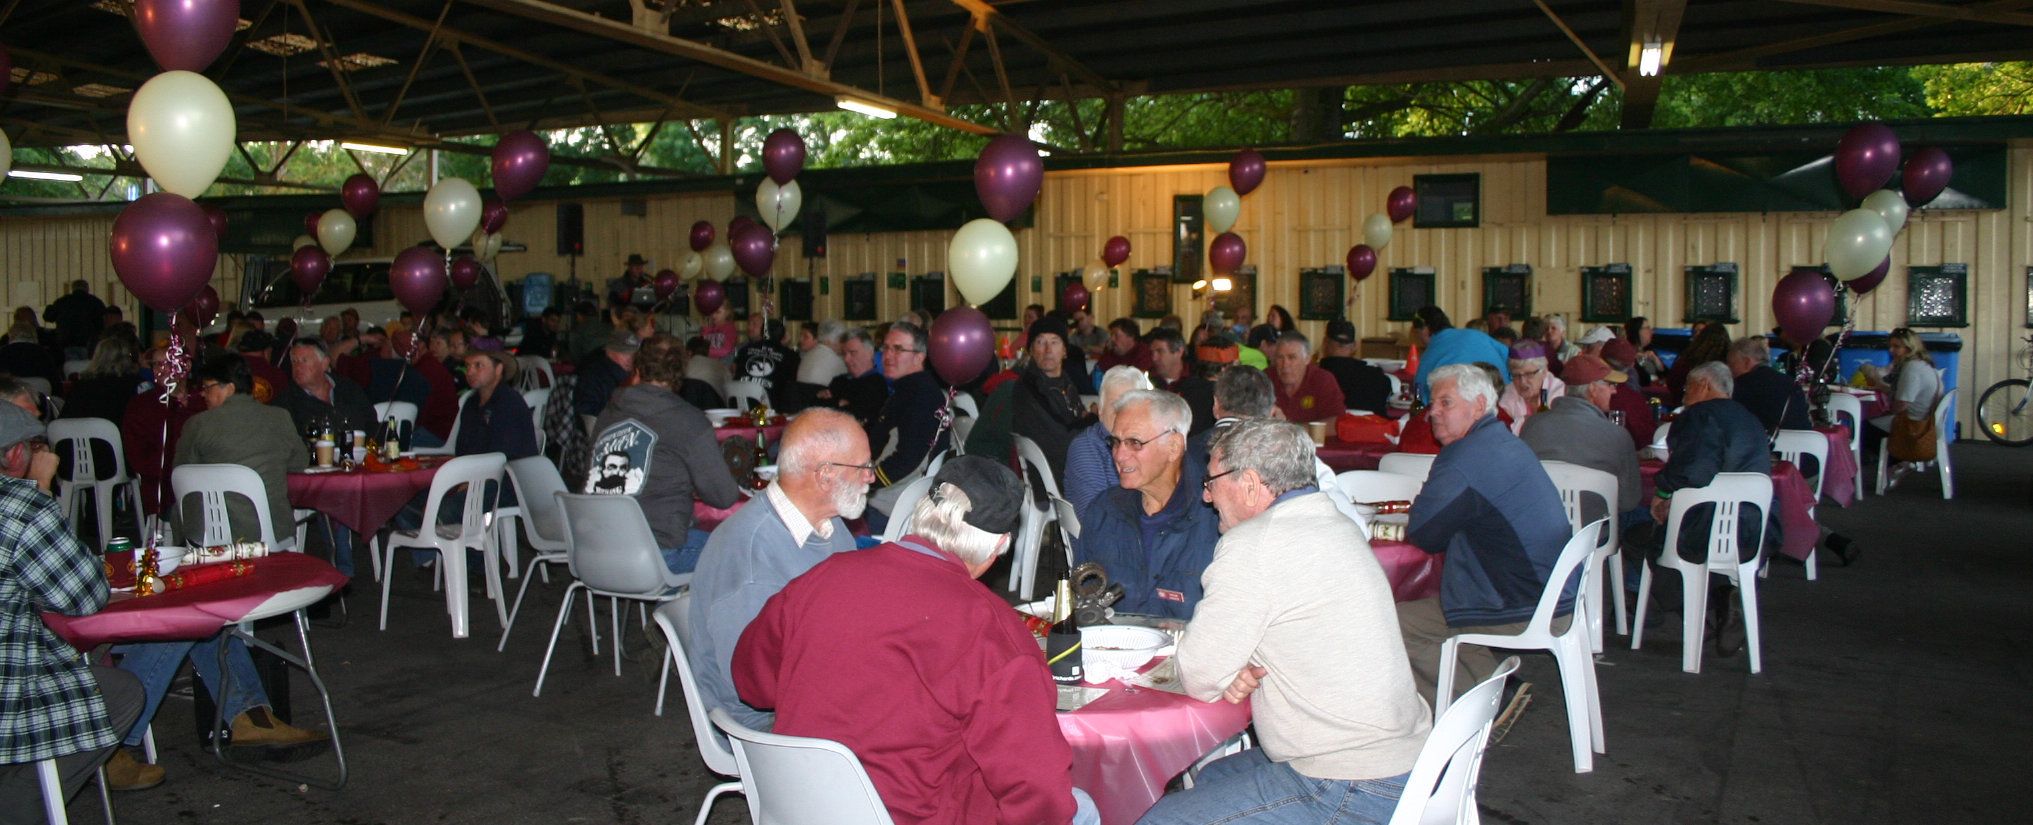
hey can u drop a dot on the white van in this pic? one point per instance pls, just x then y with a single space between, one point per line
360 284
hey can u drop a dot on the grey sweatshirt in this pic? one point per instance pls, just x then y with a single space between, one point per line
650 444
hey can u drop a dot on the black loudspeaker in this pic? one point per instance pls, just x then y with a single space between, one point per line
571 229
815 233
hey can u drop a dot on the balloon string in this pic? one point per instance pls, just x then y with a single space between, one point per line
945 419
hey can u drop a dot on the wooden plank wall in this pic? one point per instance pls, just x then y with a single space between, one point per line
1306 214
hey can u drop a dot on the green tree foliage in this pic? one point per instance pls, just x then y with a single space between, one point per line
1978 88
1807 96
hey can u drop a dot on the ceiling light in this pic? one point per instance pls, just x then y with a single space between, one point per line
376 148
1222 283
34 175
1199 284
1649 57
854 104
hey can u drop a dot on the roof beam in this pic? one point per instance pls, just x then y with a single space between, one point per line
1746 59
1647 21
985 13
1971 14
622 33
1600 65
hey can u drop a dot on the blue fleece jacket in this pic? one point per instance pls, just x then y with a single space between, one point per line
1489 505
1161 577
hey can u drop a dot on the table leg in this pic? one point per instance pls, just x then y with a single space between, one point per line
245 633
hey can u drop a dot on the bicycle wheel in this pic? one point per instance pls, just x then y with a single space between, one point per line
2004 413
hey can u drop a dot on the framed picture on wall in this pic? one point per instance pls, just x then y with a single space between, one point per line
1242 292
858 298
1606 294
1937 296
1448 201
1322 293
1189 242
928 293
1712 293
1152 293
1509 287
794 300
1410 288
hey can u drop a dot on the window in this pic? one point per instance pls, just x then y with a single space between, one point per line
1059 284
737 297
1606 294
1189 241
1937 296
858 298
1712 293
1509 287
1004 304
1410 289
1448 201
928 293
1243 293
794 300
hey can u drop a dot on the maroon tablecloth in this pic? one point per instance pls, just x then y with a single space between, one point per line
732 429
706 516
1344 456
359 498
1790 495
195 612
1414 573
1126 746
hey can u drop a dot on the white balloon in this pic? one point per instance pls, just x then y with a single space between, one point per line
6 154
336 230
1376 231
1221 207
301 242
1891 206
1094 275
452 211
691 267
182 130
1858 241
719 261
488 247
778 204
982 257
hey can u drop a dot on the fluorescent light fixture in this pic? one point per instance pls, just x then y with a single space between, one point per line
854 104
34 175
376 148
1222 283
1648 58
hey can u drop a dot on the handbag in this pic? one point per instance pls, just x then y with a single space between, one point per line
1912 439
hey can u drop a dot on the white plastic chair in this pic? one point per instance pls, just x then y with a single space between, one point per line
53 793
674 619
536 483
794 780
1376 485
76 367
1944 415
1416 465
1441 787
1574 482
85 474
965 405
1023 570
452 541
1730 493
534 373
1792 446
212 483
1841 406
404 414
1069 525
1569 648
537 399
451 438
613 555
745 393
906 504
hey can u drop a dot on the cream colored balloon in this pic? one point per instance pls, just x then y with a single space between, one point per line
182 129
1376 231
1221 207
301 242
719 261
451 211
1891 206
778 204
6 154
1094 275
983 257
691 267
488 247
336 231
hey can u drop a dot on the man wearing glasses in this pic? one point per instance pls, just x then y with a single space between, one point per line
823 471
1153 534
909 423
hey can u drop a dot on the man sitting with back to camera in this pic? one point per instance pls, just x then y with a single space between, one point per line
652 444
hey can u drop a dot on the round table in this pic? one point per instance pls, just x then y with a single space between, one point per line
199 612
359 498
1344 456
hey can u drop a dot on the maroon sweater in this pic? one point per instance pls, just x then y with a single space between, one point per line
1317 399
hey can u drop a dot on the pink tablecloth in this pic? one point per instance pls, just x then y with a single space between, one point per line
1790 495
1126 746
729 430
1838 479
706 516
361 499
1414 573
196 612
1344 456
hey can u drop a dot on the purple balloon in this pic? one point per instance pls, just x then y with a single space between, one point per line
1867 157
1226 253
311 223
1008 175
708 297
961 345
1362 260
754 249
666 284
493 215
1115 251
360 195
418 279
1074 296
1927 174
202 308
1803 303
520 160
1245 172
1401 203
186 34
218 218
164 249
465 271
739 223
783 155
1863 284
702 235
308 266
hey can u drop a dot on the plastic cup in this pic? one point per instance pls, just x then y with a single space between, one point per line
324 453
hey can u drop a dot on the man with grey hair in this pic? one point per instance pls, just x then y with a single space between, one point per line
1090 466
1777 402
1305 392
1489 505
966 730
1298 617
1576 429
819 360
861 390
1242 393
822 478
1151 533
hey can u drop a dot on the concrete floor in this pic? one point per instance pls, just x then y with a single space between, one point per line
1894 692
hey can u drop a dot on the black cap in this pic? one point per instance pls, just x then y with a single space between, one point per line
1048 325
1341 330
996 494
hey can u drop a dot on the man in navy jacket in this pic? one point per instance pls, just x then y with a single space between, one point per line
1153 534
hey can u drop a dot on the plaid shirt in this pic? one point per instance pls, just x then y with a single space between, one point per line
49 704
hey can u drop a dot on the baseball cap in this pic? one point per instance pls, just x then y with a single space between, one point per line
1342 331
1620 351
623 342
16 426
997 496
1599 335
1586 369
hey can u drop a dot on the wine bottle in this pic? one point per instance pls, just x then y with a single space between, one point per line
1062 645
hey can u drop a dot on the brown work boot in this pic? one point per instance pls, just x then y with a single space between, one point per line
256 728
125 773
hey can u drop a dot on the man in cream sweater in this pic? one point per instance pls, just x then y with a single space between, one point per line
1297 618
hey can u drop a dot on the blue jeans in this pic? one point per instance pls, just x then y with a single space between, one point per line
156 663
1249 787
686 559
1084 812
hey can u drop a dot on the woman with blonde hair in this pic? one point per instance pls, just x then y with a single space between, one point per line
1912 387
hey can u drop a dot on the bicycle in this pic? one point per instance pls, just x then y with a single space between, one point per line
2003 410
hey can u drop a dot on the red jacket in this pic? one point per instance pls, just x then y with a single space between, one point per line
1139 357
928 676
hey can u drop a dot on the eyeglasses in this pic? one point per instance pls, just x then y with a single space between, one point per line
1135 445
868 468
897 349
1207 484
